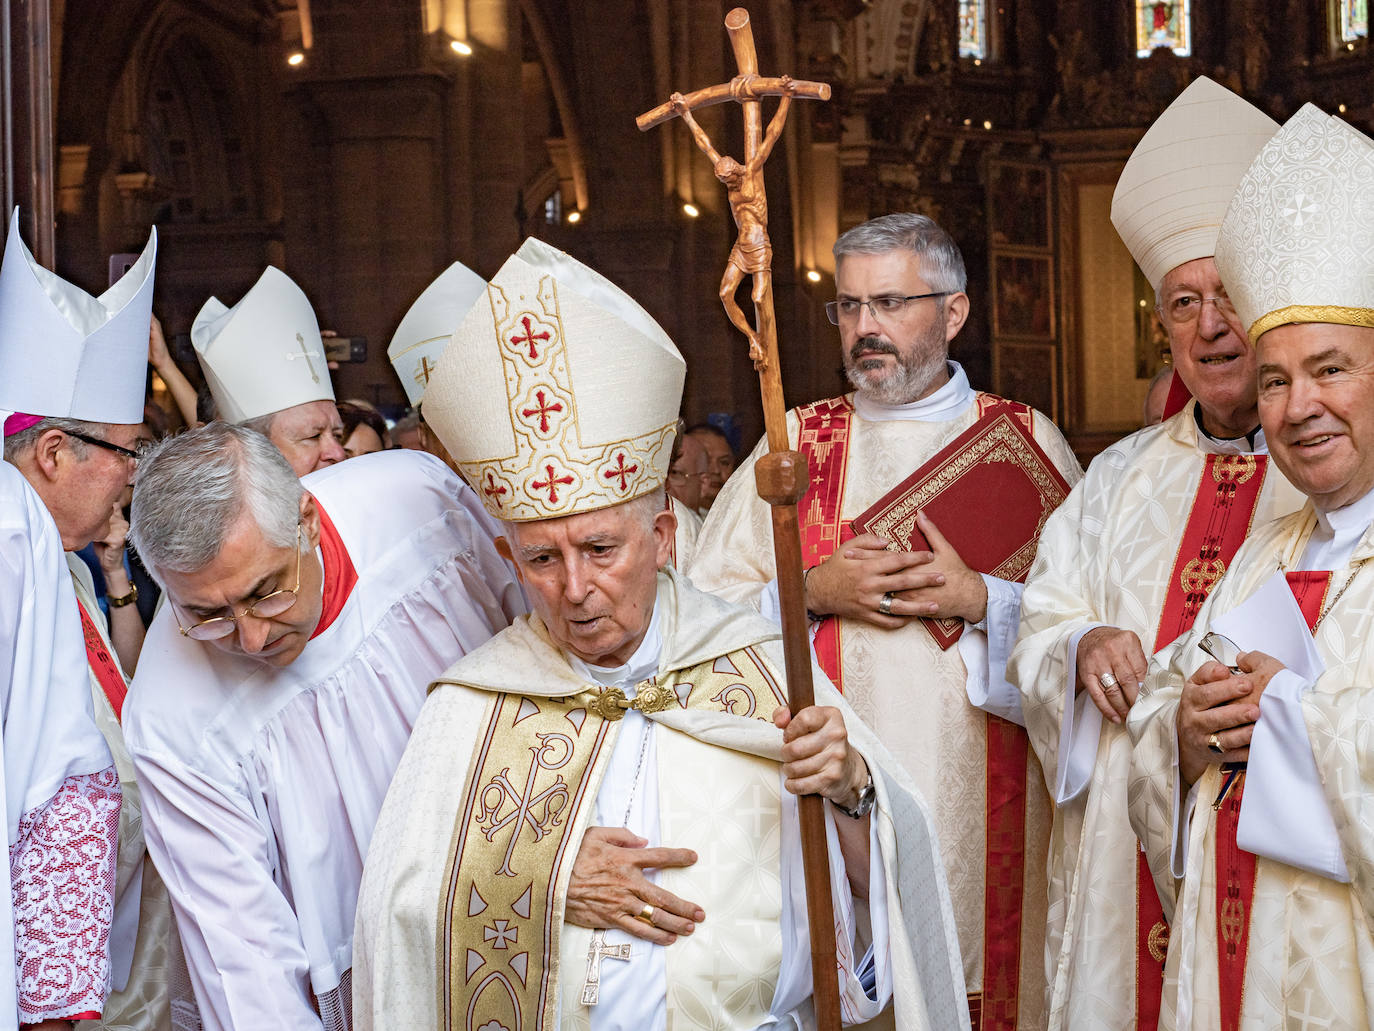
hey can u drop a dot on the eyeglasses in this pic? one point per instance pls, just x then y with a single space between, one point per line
886 309
1186 308
266 607
1221 648
105 444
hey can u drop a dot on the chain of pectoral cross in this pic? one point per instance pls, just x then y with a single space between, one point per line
598 949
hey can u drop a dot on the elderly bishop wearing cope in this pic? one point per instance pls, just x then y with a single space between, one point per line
1272 925
594 820
1126 562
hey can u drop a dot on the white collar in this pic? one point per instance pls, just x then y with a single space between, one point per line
1346 525
1209 444
642 665
949 402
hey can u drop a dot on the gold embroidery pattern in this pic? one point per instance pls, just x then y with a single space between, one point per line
1158 941
1201 575
1233 469
1311 313
501 910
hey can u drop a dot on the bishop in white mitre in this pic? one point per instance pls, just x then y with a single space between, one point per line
60 790
1251 775
1126 562
967 752
276 690
594 823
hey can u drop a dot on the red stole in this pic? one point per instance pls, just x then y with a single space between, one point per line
103 664
1235 868
1223 507
339 574
824 437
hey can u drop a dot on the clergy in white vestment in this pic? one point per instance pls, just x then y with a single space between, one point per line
276 690
265 365
80 469
1251 775
71 371
594 824
1126 562
900 287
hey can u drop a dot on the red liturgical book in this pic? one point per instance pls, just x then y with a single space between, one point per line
989 491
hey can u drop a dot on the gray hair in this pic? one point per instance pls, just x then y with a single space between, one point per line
261 424
942 265
19 445
191 490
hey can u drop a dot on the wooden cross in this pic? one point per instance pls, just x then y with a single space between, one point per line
780 474
596 952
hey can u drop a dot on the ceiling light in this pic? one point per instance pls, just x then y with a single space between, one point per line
813 276
691 210
459 47
574 217
297 58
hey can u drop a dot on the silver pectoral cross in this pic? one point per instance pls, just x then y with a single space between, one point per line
596 952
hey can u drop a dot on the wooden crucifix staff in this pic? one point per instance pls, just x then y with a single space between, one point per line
781 474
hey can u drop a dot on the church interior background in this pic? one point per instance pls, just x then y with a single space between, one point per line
363 145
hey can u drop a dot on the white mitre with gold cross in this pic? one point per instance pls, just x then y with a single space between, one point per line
66 354
1297 244
559 394
265 353
428 326
1173 192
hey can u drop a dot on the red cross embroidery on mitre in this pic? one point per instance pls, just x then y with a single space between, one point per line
494 490
621 470
530 337
551 484
542 409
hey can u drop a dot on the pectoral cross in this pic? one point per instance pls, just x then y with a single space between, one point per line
305 353
596 952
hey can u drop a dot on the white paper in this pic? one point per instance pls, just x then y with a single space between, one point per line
1270 621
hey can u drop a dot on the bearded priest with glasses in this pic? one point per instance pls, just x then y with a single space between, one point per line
276 691
900 282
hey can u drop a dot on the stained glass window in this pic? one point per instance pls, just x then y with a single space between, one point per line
973 28
1354 16
1161 24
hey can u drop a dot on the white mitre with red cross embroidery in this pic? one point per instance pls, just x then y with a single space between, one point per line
427 328
1297 244
1173 192
65 354
264 354
558 393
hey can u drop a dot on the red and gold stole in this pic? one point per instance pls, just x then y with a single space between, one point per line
103 664
824 436
1223 507
1235 868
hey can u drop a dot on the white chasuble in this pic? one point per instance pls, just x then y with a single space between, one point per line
715 782
1108 556
1309 953
914 695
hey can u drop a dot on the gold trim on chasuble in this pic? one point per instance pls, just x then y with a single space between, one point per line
552 472
527 798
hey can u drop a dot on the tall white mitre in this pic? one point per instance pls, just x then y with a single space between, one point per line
1173 192
65 354
265 353
1297 244
428 326
558 394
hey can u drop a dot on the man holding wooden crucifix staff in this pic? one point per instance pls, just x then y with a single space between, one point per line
595 819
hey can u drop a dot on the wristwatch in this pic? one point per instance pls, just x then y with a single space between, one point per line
864 805
125 599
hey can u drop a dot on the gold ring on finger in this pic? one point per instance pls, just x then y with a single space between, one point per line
1107 680
1214 745
646 914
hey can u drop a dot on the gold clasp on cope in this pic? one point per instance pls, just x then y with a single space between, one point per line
611 703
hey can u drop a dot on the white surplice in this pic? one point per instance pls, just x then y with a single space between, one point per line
1105 559
1310 951
887 672
914 955
49 740
261 786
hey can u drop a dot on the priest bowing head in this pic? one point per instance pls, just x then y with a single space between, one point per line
265 364
644 722
1167 207
224 524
